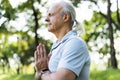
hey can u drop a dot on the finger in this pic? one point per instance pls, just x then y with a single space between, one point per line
39 51
42 54
44 51
35 56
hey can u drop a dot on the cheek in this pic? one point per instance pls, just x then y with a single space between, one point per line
56 20
53 20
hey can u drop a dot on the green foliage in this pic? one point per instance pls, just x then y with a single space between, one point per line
75 2
114 17
96 29
104 49
110 74
9 11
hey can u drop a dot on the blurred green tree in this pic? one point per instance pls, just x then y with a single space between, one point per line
26 43
102 26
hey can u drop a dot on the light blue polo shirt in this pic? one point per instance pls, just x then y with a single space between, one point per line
71 53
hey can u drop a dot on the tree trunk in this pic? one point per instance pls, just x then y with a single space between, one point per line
18 70
3 66
112 49
36 23
118 16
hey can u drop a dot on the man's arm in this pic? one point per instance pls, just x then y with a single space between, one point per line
60 74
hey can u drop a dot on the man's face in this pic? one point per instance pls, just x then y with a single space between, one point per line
54 19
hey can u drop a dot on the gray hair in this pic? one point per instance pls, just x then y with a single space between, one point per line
69 8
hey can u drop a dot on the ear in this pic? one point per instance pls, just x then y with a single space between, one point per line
66 17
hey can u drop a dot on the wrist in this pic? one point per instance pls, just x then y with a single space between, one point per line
45 74
40 73
44 70
38 76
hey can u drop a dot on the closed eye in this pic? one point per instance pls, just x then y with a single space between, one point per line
50 14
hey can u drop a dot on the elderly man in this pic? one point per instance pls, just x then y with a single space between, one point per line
68 58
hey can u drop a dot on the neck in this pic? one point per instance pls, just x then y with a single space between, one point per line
61 33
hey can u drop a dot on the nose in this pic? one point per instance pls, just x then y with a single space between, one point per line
47 19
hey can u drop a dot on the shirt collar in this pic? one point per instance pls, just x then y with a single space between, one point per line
70 33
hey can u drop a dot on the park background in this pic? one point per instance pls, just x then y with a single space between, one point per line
22 28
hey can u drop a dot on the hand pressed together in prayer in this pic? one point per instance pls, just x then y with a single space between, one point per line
41 59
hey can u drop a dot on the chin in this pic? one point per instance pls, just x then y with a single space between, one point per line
50 30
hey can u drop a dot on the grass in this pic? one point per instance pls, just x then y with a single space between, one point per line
110 74
17 77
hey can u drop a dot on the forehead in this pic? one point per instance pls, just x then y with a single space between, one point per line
55 9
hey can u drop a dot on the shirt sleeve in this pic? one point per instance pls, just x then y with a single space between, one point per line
74 56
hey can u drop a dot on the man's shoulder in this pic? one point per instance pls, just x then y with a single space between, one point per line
75 40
